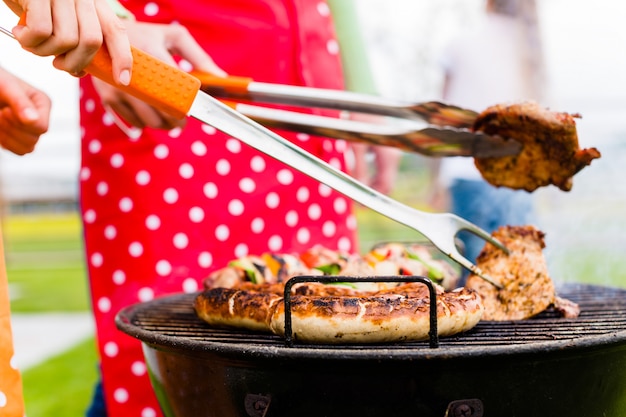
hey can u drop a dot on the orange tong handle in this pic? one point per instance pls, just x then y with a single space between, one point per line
153 81
157 83
230 83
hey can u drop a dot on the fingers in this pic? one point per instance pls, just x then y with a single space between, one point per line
86 36
161 41
53 29
183 44
37 28
68 30
13 137
73 31
134 111
24 114
30 106
117 43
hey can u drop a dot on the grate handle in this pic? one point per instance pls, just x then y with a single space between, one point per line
432 331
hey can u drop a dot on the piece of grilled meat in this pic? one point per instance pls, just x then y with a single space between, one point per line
550 152
523 274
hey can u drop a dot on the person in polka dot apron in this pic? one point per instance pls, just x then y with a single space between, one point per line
162 208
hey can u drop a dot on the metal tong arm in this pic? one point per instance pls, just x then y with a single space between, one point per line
436 227
411 136
276 146
242 88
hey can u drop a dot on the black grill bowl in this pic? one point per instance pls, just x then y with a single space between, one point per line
547 366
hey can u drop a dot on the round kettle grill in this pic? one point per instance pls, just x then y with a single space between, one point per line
545 366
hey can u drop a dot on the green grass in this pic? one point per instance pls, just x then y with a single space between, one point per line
40 289
62 386
47 274
45 263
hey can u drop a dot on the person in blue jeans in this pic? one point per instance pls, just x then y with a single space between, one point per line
499 60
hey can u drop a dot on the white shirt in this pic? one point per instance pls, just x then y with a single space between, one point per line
484 68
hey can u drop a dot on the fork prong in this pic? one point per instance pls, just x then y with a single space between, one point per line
473 268
470 227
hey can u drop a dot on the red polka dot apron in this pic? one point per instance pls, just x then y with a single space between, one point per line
164 209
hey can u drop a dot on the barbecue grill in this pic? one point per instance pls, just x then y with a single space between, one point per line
546 366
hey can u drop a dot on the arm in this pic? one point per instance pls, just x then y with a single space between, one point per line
24 114
73 33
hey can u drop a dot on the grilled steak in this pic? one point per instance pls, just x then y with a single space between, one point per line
527 287
550 152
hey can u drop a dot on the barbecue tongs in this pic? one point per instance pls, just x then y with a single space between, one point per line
429 128
177 93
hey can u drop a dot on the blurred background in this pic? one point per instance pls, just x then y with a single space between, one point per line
584 43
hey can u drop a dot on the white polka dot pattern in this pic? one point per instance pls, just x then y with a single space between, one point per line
110 232
247 185
135 249
190 285
120 395
205 259
111 350
138 368
119 277
153 222
148 412
257 225
333 47
196 214
241 250
174 133
198 148
151 9
142 177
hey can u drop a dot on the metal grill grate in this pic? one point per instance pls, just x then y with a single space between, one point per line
172 321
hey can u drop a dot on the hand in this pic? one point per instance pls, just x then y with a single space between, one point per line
24 114
73 31
161 41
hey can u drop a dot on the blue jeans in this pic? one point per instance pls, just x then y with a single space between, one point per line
488 207
97 407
